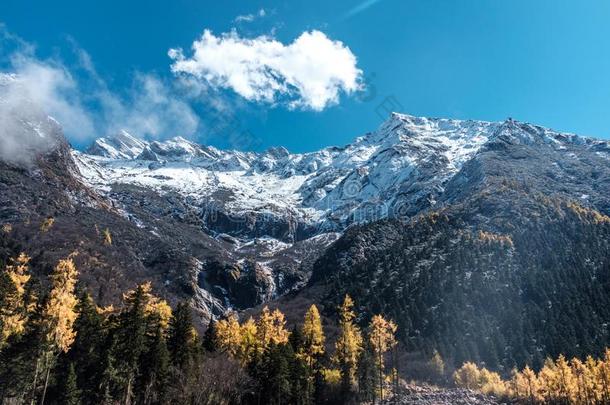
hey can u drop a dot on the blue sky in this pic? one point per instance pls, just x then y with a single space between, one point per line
542 61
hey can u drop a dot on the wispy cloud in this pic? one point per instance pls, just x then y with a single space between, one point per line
308 73
360 8
250 17
82 102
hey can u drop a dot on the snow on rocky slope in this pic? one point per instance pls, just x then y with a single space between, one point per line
397 170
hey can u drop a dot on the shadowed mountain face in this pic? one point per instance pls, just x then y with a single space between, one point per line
442 224
511 265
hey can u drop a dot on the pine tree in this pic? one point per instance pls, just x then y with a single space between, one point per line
69 394
210 343
86 350
130 341
20 361
274 376
348 345
153 367
367 375
382 339
182 340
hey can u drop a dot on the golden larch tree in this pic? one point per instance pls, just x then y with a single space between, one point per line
249 343
228 335
467 376
271 328
312 346
58 315
382 338
313 337
14 305
348 346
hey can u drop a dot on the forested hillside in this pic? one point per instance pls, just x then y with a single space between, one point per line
506 290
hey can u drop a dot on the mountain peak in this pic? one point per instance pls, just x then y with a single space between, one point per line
121 145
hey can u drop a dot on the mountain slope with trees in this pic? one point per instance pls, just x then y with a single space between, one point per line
513 265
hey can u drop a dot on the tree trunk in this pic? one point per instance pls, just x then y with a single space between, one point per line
46 379
35 382
380 366
127 399
380 369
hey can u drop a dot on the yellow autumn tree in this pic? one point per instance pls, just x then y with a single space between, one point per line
58 316
107 237
467 376
312 345
248 346
348 346
491 383
228 335
567 383
591 385
549 384
558 382
313 337
382 338
14 305
271 328
47 224
525 385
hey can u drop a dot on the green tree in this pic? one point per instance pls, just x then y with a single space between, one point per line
182 337
153 368
69 394
274 377
86 351
130 340
367 375
210 342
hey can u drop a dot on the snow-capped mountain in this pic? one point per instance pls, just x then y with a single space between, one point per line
232 229
400 169
402 166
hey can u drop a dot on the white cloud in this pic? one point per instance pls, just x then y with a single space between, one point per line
153 110
250 17
24 130
83 103
50 86
360 8
310 72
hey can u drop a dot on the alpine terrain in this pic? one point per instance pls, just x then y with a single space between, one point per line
483 241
